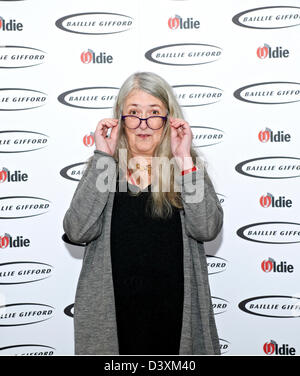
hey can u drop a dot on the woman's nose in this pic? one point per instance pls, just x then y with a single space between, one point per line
143 124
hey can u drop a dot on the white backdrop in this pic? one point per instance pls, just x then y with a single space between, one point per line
235 69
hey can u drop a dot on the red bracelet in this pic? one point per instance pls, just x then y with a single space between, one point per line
189 170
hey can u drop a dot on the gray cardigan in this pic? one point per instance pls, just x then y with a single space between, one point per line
88 220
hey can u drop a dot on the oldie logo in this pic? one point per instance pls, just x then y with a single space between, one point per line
274 17
269 136
23 206
16 273
90 97
178 22
22 141
184 54
7 241
197 95
275 306
20 314
271 232
95 23
73 172
273 266
88 140
90 57
12 176
270 167
14 99
20 57
272 348
28 350
271 53
277 92
269 201
10 24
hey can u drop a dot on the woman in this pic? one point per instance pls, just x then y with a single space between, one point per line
143 287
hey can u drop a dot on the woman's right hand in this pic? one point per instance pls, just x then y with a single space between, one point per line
103 143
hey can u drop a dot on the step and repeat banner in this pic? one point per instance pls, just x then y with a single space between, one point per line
234 67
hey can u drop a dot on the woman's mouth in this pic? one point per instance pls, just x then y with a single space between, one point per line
143 135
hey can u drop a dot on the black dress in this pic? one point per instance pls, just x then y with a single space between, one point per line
147 269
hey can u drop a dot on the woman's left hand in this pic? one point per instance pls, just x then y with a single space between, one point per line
181 140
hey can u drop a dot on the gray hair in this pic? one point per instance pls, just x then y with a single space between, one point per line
152 84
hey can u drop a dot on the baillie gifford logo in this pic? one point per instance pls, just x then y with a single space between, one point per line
273 17
270 167
271 232
277 92
272 348
98 97
267 52
10 25
183 54
28 350
73 172
178 22
272 306
89 56
14 57
269 136
95 23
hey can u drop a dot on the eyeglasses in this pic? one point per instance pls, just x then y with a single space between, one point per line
153 122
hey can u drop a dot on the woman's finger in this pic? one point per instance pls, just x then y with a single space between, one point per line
104 125
114 131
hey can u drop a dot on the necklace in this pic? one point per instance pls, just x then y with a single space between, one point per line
138 166
143 168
